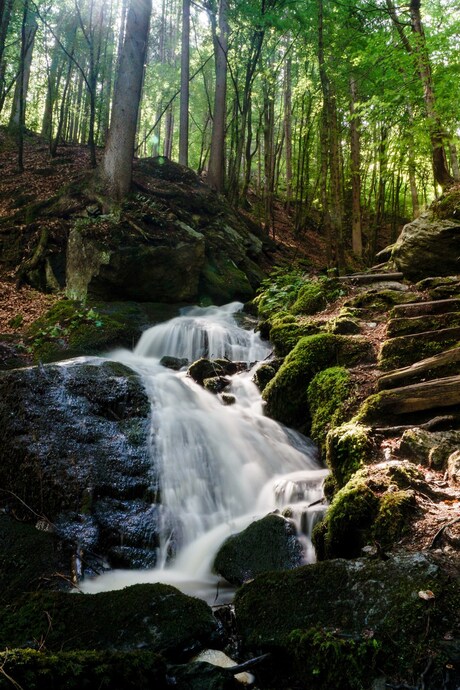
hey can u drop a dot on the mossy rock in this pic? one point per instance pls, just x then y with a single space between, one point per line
287 394
362 511
82 669
344 325
315 295
429 447
309 617
155 617
267 544
204 369
223 281
284 335
348 448
216 384
422 324
441 288
263 375
382 300
327 394
31 557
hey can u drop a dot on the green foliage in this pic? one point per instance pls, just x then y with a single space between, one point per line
278 292
314 295
327 394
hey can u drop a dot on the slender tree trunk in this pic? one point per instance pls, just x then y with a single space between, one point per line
184 84
5 16
288 129
118 155
28 31
220 40
57 138
454 162
355 141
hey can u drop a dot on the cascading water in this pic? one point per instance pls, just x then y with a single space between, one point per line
221 466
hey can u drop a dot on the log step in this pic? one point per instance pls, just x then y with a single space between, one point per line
407 349
419 397
420 324
440 306
443 364
363 278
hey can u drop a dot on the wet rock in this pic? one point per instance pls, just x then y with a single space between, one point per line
318 619
155 617
205 369
200 675
174 363
228 399
75 449
216 384
267 544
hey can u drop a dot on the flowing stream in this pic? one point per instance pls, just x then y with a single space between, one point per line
221 466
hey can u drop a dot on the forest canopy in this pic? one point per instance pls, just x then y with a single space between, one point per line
344 108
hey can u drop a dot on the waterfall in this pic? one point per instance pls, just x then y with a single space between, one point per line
221 467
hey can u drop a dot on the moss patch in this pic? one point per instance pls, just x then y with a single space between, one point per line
405 350
327 394
348 448
285 334
80 670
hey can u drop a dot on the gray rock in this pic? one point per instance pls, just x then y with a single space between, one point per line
428 246
453 467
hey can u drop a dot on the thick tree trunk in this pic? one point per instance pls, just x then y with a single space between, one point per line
117 163
220 40
184 84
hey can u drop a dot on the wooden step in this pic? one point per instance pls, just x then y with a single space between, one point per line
419 397
363 278
404 350
428 368
421 324
440 306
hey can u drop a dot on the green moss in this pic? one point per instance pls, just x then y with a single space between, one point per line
448 205
79 670
381 300
324 659
327 394
394 512
347 523
287 394
285 334
422 324
310 299
263 375
348 448
405 350
278 292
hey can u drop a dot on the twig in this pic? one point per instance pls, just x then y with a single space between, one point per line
239 668
441 530
42 517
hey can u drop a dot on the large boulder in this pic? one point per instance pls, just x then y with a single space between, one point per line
177 242
429 246
267 544
74 440
344 624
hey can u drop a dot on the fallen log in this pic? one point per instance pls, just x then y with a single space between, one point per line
371 277
405 350
419 397
419 324
420 369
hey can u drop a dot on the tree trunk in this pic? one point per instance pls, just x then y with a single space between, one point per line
355 143
29 29
118 155
184 84
288 130
220 40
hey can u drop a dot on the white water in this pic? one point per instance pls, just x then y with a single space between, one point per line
221 466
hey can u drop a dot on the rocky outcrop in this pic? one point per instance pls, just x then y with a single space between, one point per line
267 544
430 245
348 623
177 241
74 453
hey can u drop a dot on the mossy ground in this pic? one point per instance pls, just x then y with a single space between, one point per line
327 394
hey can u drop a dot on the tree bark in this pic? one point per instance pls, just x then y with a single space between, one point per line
117 162
29 29
220 40
355 145
184 84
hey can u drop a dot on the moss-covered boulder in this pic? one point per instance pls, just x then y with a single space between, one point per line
431 448
327 394
82 669
376 300
75 450
377 503
345 624
348 448
205 369
315 295
267 544
155 617
402 351
284 334
287 394
72 329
